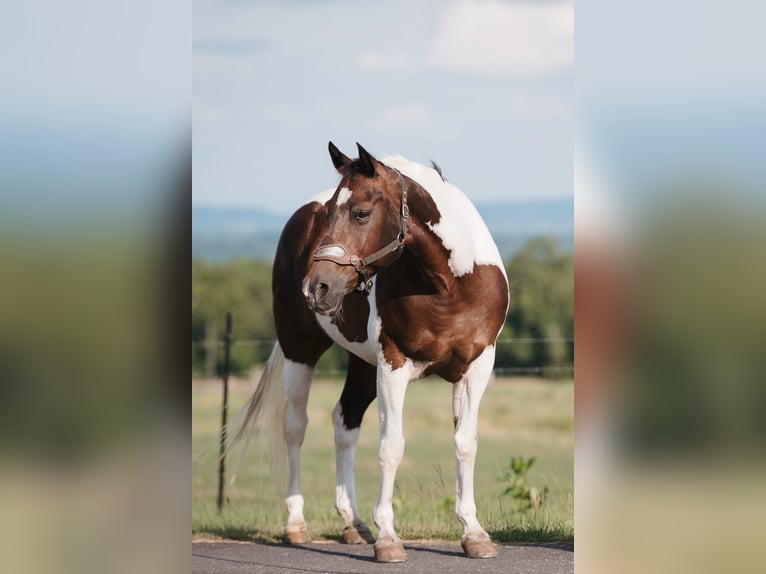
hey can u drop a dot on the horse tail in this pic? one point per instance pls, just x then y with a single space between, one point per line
266 407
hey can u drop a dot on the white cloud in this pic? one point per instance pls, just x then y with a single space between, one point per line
495 38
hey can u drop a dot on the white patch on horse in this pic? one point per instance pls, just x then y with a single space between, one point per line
467 395
343 196
461 228
365 350
374 321
391 388
296 383
345 443
415 369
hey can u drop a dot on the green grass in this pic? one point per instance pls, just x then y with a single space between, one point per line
518 417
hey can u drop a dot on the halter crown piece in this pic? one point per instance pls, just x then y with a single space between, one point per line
338 253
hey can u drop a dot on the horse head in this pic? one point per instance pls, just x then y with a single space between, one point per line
366 230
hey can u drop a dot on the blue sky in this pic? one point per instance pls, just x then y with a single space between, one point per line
484 88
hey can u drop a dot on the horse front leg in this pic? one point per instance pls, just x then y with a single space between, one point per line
391 388
358 393
297 383
466 396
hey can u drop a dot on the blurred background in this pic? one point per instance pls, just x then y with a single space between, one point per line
95 159
669 260
667 127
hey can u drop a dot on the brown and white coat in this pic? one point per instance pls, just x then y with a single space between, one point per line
433 303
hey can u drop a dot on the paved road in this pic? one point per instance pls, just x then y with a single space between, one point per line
334 558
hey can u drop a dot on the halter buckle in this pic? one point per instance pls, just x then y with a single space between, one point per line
365 286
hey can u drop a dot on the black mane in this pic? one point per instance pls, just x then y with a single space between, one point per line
438 170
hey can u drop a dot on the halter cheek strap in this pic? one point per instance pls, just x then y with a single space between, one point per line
338 254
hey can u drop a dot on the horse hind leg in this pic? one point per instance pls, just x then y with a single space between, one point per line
358 393
297 382
467 395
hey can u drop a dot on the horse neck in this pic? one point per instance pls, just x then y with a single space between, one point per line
422 243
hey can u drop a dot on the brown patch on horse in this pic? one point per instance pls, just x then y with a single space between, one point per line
428 313
301 337
448 329
357 307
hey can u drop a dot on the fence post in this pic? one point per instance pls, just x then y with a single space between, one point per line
224 408
211 349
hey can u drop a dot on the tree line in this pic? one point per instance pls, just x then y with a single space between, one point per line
540 319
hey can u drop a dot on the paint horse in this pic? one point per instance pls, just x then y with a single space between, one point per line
396 266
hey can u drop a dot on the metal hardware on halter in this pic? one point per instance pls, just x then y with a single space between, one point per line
336 252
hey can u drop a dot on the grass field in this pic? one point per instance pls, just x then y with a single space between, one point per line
518 417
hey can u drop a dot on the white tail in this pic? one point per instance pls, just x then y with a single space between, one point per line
265 408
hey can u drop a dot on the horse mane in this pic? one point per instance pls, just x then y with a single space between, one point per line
438 170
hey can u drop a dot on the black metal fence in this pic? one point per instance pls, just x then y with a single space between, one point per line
214 348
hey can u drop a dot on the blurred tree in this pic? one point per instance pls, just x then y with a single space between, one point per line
541 306
541 284
242 287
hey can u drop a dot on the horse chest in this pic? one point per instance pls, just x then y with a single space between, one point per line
354 328
363 332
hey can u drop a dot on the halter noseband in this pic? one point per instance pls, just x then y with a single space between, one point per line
338 253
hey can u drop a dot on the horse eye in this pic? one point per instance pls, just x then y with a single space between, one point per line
361 215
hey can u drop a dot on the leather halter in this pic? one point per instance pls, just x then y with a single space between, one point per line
338 253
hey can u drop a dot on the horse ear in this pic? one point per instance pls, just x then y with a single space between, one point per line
339 159
366 162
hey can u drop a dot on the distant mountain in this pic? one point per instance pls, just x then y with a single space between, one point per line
513 223
234 220
224 233
221 234
554 217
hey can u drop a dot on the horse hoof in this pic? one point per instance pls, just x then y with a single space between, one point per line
390 552
478 548
297 536
361 535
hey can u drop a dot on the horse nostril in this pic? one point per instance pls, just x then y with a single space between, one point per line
320 290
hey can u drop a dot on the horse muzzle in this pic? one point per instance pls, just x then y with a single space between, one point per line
322 296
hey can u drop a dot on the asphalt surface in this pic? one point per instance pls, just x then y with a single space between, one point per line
335 558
